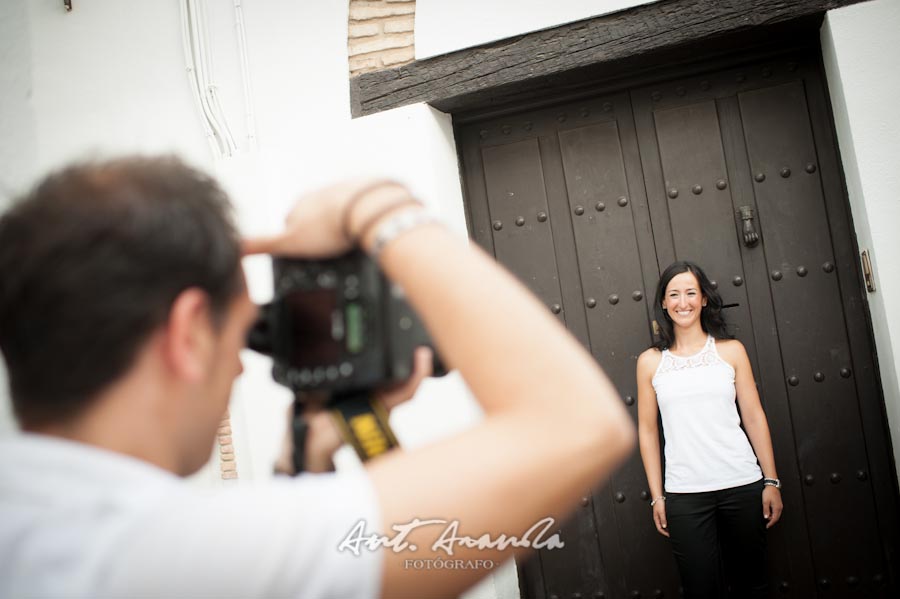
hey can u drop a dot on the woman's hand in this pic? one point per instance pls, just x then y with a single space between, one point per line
772 505
659 517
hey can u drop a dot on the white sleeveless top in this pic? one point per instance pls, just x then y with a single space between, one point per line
706 449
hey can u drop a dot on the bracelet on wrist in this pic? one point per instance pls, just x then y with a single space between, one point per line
355 199
374 219
658 499
772 482
394 226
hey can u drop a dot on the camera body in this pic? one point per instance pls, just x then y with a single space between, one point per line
337 326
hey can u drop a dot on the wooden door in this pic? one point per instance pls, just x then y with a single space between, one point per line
587 202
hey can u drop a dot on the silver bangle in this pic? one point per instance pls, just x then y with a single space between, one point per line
398 224
660 498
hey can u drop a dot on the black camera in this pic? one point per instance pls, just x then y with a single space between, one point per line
338 326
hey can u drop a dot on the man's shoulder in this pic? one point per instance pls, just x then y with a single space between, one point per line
103 522
52 473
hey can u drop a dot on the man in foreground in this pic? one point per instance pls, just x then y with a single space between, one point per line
122 312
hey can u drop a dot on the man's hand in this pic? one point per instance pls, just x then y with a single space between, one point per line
397 394
323 222
323 437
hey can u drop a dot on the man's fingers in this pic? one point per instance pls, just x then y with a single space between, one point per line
261 245
423 363
421 370
422 360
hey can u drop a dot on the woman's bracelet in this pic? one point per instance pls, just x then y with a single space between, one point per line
660 498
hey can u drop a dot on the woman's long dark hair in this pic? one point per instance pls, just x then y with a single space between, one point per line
711 318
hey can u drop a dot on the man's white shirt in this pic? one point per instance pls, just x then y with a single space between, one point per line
78 521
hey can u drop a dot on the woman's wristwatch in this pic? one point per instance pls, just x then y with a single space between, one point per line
772 482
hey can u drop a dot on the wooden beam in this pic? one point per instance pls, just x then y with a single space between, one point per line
477 76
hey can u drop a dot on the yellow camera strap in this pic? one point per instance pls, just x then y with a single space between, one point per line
363 423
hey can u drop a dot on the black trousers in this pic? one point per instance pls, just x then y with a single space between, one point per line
719 541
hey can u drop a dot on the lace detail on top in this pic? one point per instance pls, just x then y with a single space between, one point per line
705 357
705 448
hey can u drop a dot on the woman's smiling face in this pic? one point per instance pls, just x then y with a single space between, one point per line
683 300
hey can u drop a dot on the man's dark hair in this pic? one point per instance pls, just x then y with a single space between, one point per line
91 261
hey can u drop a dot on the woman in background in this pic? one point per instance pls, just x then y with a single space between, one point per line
721 487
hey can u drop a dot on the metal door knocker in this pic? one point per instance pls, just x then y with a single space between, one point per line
751 237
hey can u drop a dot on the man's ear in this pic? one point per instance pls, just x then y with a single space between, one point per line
189 337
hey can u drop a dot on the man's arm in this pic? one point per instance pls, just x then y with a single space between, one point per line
554 426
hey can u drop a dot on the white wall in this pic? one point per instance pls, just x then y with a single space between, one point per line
109 78
443 27
862 63
16 126
16 116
